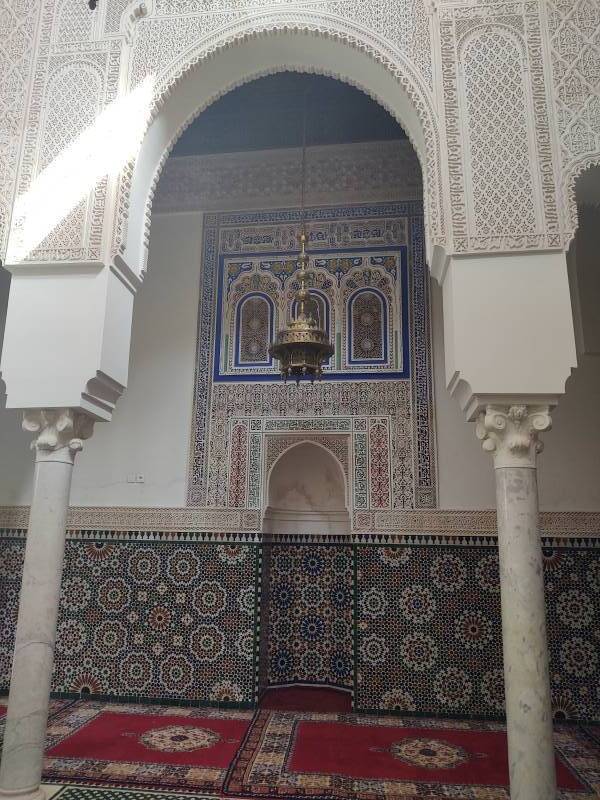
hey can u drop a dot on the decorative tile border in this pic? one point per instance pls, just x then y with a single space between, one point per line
104 793
177 522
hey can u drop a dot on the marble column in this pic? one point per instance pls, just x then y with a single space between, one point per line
511 434
60 434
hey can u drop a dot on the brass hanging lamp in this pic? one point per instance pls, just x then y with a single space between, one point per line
302 348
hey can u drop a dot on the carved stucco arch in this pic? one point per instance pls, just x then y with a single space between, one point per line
571 175
361 59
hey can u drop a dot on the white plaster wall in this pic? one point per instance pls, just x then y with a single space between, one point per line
150 430
149 434
16 461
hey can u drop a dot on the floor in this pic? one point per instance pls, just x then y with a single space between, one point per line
300 743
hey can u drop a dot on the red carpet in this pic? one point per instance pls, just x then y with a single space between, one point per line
370 758
144 746
294 754
2 711
306 698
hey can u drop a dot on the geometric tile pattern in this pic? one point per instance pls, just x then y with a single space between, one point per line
573 620
429 636
420 633
101 793
11 567
159 620
428 630
310 615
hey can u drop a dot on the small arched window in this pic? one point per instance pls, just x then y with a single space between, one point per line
367 328
253 331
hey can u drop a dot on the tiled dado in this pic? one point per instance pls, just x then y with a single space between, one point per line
148 619
410 622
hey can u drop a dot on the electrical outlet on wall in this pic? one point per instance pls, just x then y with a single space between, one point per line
139 478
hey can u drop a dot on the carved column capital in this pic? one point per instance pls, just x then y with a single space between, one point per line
60 432
511 433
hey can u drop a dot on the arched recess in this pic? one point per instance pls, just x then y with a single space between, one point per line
306 492
573 177
583 260
254 330
367 339
302 41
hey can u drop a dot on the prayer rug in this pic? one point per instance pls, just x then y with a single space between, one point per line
138 746
338 756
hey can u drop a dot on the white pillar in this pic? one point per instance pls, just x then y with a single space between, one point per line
511 434
60 434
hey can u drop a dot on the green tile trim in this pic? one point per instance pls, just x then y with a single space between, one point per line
110 793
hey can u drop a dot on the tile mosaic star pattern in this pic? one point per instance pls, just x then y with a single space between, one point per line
428 630
421 631
153 620
429 633
573 619
310 615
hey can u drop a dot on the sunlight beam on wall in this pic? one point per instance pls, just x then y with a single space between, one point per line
100 150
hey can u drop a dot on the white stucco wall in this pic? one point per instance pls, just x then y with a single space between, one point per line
150 430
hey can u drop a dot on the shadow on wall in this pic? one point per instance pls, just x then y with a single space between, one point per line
16 472
307 493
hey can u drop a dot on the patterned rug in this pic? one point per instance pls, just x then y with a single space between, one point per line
144 747
93 793
382 758
55 707
593 731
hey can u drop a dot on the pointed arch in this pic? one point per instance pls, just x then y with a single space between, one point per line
267 43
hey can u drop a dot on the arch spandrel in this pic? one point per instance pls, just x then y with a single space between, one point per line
264 44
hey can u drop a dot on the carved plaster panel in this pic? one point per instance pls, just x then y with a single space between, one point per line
369 172
73 83
574 37
404 36
501 165
178 523
18 27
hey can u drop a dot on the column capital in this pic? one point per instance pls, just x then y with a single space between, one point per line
511 433
60 432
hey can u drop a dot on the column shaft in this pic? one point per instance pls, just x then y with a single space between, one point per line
27 715
60 433
527 687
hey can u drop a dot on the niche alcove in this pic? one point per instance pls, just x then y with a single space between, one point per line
307 493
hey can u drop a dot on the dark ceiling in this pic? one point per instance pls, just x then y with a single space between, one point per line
268 114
